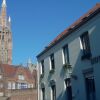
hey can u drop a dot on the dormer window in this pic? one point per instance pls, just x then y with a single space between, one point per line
21 77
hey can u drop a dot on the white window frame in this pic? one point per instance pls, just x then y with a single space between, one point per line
63 60
9 85
51 93
50 63
81 47
21 77
40 68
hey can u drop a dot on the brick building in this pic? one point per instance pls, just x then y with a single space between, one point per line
17 83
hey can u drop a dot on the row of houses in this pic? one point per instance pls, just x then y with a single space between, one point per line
69 67
17 82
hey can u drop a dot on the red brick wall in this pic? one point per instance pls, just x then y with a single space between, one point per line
24 95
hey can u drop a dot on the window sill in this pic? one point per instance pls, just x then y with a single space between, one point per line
66 66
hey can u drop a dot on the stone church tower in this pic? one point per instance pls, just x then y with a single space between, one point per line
5 36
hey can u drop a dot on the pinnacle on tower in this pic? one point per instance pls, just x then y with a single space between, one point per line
3 13
4 3
9 19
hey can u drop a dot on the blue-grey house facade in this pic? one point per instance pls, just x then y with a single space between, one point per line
69 67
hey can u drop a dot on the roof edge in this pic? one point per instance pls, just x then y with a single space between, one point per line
82 20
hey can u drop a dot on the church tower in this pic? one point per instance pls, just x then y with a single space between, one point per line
5 36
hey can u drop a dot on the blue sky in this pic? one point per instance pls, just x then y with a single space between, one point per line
35 23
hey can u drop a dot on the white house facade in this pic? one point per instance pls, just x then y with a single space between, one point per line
69 68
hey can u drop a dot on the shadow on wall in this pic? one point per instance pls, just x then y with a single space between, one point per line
76 71
62 96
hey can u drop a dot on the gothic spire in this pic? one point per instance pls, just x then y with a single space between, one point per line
9 19
3 13
4 3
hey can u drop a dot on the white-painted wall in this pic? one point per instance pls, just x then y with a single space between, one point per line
75 53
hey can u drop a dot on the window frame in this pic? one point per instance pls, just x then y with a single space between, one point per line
53 92
90 87
52 62
66 59
42 67
68 88
43 93
85 45
21 77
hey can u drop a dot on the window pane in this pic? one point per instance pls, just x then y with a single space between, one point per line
85 43
20 77
43 93
42 66
52 61
53 92
66 54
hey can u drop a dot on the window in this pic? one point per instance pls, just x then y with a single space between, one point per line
9 85
13 85
90 88
21 77
43 93
53 92
1 85
2 37
22 86
0 76
85 45
66 61
68 89
42 67
66 54
52 61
